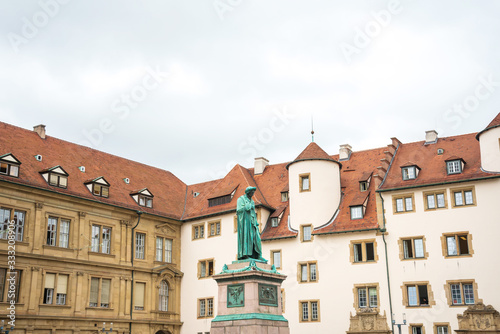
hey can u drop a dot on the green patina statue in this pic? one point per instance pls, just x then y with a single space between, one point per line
249 245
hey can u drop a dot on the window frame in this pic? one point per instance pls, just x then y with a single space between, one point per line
284 196
302 177
406 175
19 228
461 282
435 193
366 287
309 311
161 297
274 251
164 249
430 295
214 224
4 285
363 243
308 265
57 232
206 273
54 290
137 247
462 191
451 163
101 239
437 325
444 244
58 181
403 197
302 234
9 168
195 235
139 307
412 326
361 211
206 314
401 242
100 194
99 292
147 200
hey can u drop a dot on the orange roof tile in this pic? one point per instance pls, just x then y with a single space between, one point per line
493 124
313 152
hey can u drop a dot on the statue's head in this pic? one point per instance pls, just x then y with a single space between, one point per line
249 191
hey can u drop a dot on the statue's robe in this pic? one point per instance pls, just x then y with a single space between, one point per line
249 244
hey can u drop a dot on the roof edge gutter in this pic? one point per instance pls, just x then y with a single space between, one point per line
439 183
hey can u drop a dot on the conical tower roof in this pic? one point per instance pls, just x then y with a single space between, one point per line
313 152
493 124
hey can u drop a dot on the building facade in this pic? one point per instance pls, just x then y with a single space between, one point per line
367 238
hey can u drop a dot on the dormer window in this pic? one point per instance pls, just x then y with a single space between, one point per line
363 186
98 187
364 181
143 197
357 212
9 165
276 216
274 221
454 165
284 196
409 173
358 206
56 176
220 200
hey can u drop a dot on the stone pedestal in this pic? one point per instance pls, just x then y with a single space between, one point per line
249 300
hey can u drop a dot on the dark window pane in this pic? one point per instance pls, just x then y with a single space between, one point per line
422 295
464 246
370 254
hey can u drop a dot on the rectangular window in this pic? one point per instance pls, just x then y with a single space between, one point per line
205 268
140 244
463 197
9 169
305 184
140 288
56 285
367 297
417 294
363 186
58 180
163 249
100 190
145 201
413 248
205 308
357 212
362 251
284 196
276 258
14 276
403 203
416 329
306 233
308 272
198 231
435 200
214 228
274 222
8 215
100 292
454 166
309 310
57 232
101 239
409 173
457 244
442 329
462 293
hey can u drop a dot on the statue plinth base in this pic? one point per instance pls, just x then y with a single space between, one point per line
249 299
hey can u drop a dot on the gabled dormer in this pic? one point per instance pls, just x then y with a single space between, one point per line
55 176
358 206
409 171
364 181
9 165
143 197
454 165
224 199
276 216
98 186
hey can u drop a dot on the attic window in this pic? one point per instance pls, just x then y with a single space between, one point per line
9 165
98 187
56 176
357 212
409 173
454 166
284 196
363 186
143 197
221 199
275 221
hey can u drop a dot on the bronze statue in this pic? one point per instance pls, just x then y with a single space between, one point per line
249 244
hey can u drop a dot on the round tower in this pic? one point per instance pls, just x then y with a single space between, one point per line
489 144
314 187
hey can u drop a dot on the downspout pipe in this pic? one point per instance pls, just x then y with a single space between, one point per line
139 213
383 230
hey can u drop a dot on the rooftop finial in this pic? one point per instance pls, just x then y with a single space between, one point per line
312 129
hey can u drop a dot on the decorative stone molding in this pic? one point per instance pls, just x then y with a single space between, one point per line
166 229
80 273
368 320
82 214
35 268
39 205
479 318
125 222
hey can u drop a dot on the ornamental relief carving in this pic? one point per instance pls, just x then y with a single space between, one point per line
368 320
479 317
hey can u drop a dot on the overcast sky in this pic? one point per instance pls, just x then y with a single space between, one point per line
195 87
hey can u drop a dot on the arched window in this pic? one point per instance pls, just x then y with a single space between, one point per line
163 296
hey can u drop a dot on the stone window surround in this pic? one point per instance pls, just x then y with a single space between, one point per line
355 295
363 249
299 272
309 301
444 245
447 290
403 196
430 294
401 248
435 192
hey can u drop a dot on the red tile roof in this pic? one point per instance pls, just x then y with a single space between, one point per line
24 144
433 166
493 124
313 152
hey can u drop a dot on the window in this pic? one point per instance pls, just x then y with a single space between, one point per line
145 201
143 197
367 296
163 296
5 286
100 292
403 203
306 233
463 197
304 182
55 176
274 221
140 245
100 190
198 231
443 328
362 251
357 212
461 292
58 232
409 173
9 165
363 186
205 268
139 290
454 166
416 329
309 310
284 196
163 249
205 308
308 272
101 239
56 289
417 294
412 248
458 244
8 215
214 228
276 258
435 200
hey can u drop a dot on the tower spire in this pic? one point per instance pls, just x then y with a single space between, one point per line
312 129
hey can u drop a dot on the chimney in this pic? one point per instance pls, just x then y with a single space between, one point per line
260 165
40 129
345 152
431 137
